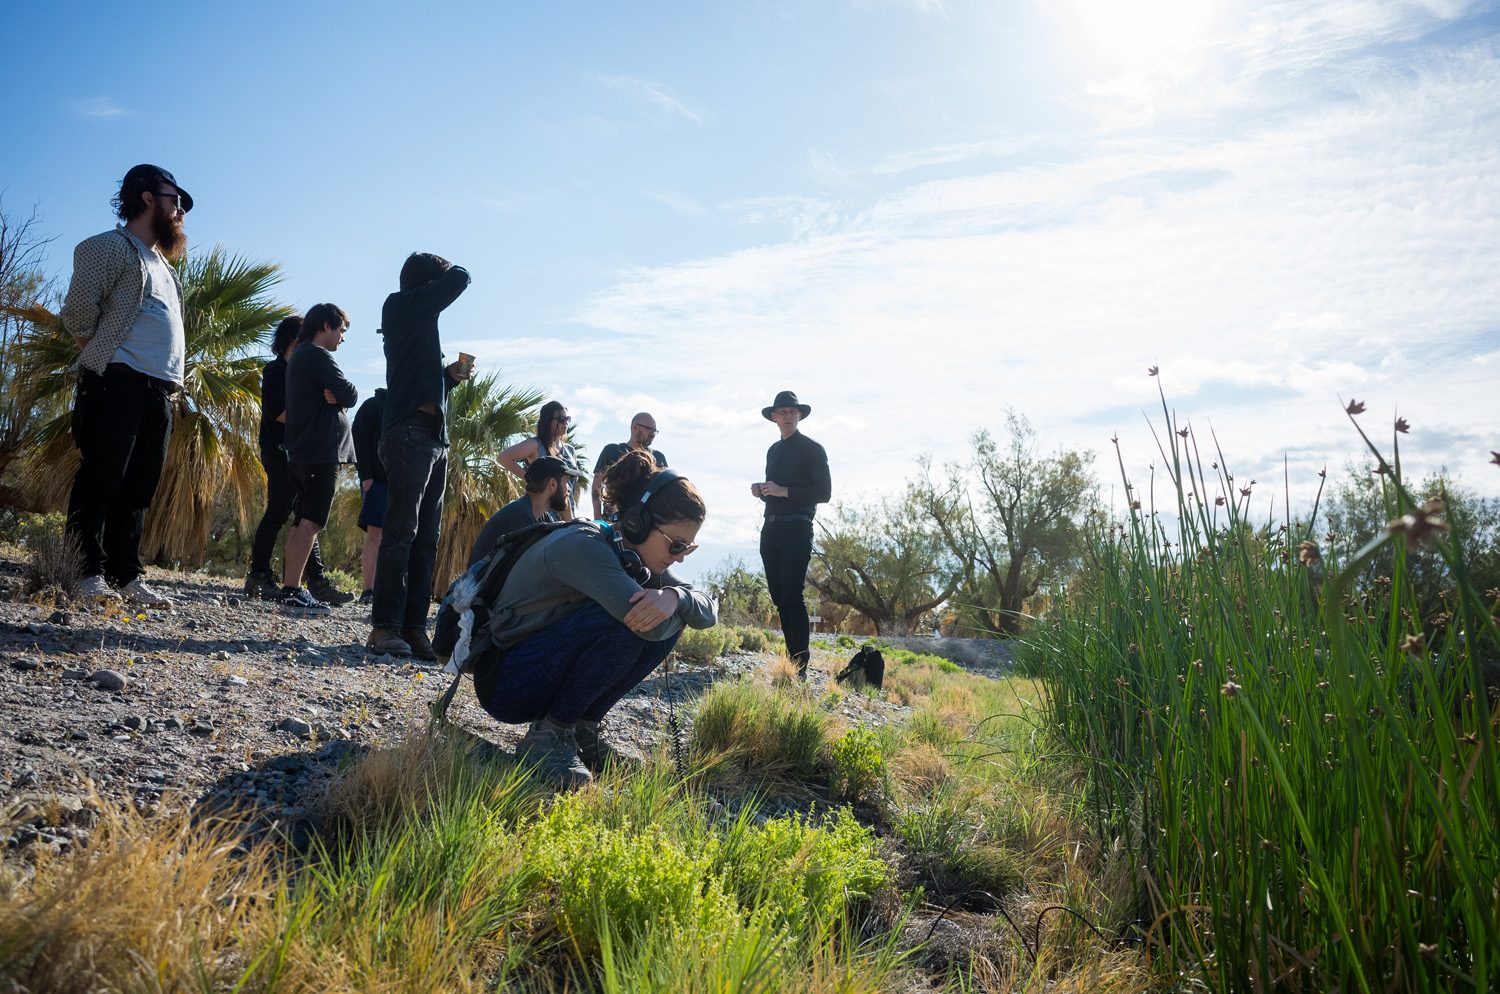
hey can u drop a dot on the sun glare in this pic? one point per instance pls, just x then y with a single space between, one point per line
1122 34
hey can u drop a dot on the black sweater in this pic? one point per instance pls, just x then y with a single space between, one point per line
272 403
367 421
799 464
317 431
414 369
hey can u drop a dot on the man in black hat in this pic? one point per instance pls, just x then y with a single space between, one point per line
124 309
545 499
796 483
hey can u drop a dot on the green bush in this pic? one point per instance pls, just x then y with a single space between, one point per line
753 639
844 641
54 561
704 645
858 766
761 731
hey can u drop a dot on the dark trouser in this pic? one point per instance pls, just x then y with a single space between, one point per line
279 493
416 469
785 550
121 424
575 668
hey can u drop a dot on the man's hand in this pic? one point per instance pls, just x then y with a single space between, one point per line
755 489
365 485
328 396
652 607
769 489
458 373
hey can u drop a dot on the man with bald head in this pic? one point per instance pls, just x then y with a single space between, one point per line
642 434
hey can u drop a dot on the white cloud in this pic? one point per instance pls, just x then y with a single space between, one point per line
102 108
651 98
679 202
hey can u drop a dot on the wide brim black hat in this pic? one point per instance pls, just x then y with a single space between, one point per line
785 398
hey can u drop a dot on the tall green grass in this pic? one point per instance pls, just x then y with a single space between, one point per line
1308 780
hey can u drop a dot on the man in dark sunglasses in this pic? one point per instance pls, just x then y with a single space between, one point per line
642 434
124 310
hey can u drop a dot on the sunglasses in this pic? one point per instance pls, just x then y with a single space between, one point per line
678 546
645 428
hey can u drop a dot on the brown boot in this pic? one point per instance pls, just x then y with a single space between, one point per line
386 641
420 646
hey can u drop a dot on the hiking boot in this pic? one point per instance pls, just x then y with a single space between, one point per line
367 599
138 591
323 589
299 601
420 646
95 588
551 753
386 642
261 585
593 750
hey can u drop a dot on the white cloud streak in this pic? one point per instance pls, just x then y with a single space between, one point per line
650 98
99 108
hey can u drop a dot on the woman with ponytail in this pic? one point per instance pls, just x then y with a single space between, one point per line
587 613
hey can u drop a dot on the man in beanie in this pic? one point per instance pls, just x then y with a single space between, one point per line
124 309
796 483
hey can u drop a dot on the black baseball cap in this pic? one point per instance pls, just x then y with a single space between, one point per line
544 468
146 174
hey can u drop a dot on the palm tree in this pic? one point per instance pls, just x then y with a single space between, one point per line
484 418
228 315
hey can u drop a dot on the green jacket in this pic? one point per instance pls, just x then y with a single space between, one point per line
105 295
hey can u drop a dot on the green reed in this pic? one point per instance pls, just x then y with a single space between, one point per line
1305 771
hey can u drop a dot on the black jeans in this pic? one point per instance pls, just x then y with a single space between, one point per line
122 423
279 494
416 470
785 550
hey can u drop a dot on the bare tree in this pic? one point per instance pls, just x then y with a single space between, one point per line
23 287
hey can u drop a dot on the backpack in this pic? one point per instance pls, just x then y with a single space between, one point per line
461 638
867 665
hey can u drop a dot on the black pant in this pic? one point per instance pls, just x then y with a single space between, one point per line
785 550
416 470
122 423
279 494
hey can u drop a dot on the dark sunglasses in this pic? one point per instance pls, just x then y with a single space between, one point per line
678 546
646 428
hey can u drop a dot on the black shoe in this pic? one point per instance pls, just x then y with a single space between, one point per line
323 589
367 599
261 585
299 601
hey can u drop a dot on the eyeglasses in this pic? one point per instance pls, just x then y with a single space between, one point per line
648 429
175 198
562 419
678 546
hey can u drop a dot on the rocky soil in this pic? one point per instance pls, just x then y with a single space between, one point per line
226 700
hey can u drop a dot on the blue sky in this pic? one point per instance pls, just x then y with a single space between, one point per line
913 213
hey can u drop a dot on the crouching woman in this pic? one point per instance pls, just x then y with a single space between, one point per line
587 613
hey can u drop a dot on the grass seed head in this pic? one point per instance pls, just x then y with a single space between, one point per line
1230 689
1413 645
1355 407
1308 554
1402 426
1421 527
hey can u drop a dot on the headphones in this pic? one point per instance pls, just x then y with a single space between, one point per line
629 561
636 521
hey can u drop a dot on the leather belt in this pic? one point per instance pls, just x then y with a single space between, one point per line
789 517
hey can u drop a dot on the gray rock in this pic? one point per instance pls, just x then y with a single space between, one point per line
73 673
25 663
202 726
108 680
191 624
221 654
172 725
235 680
61 618
79 734
134 722
234 601
296 726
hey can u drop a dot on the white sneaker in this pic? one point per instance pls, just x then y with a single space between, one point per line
138 591
96 588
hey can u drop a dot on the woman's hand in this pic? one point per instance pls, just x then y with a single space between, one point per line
652 607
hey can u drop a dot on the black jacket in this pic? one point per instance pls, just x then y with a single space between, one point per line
367 421
799 464
272 403
317 431
414 369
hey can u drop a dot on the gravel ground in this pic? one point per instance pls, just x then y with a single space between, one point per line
224 699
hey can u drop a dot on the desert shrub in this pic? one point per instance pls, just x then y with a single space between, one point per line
805 874
844 641
753 639
760 731
704 645
858 766
54 561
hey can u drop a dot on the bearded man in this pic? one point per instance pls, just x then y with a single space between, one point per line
124 309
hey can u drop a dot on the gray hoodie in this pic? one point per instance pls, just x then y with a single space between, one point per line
560 573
